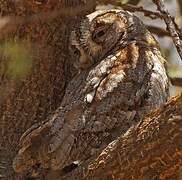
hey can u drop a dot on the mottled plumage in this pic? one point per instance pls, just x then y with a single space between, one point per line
121 78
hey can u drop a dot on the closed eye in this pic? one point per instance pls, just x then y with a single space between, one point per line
99 36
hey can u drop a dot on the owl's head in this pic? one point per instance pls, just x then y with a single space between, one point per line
102 33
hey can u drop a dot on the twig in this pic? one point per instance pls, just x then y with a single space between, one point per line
180 5
176 81
148 13
133 8
177 28
134 2
170 25
157 30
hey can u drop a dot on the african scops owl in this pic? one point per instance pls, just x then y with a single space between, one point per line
121 78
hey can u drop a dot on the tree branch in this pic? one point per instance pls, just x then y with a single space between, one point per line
147 13
134 2
151 149
176 81
158 31
171 26
180 5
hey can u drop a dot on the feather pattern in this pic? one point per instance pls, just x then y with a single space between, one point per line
121 79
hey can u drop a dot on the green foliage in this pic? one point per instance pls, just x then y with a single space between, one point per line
18 59
134 2
123 1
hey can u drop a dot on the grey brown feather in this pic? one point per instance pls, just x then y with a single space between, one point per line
121 79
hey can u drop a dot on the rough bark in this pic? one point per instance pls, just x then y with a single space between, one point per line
150 150
31 98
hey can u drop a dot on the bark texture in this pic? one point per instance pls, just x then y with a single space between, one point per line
29 99
150 150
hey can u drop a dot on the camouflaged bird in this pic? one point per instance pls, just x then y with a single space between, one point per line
121 79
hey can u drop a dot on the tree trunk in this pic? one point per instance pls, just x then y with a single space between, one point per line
29 97
150 150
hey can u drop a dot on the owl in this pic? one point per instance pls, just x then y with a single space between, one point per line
121 78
